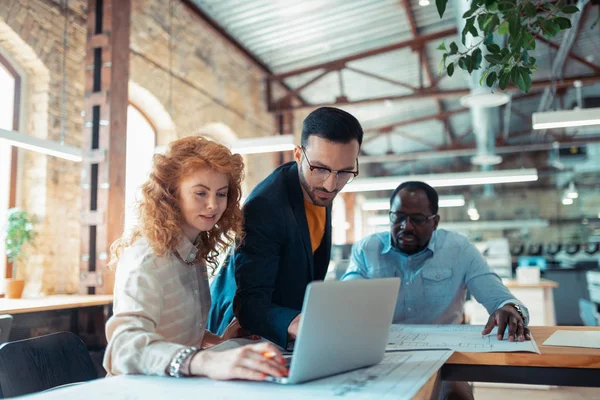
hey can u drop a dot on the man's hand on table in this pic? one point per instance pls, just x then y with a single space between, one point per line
507 316
293 328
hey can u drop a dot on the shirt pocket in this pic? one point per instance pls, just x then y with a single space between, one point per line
437 283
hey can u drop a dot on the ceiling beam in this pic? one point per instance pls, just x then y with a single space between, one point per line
439 116
339 63
432 93
418 139
425 66
381 78
570 54
449 152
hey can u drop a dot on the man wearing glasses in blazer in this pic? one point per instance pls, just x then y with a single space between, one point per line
287 227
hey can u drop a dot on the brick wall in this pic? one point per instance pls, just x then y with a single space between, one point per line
211 82
31 33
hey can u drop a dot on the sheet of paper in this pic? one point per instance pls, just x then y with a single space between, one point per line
465 338
399 376
589 339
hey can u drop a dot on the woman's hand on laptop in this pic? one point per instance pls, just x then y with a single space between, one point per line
253 362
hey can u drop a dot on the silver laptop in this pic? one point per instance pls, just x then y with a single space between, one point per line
344 326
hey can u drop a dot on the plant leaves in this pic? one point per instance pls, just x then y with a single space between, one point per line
484 75
503 28
493 48
550 28
469 25
493 59
493 24
473 31
469 63
453 48
442 63
481 18
441 7
517 78
491 79
514 24
489 39
525 75
462 63
442 46
528 42
476 58
451 69
504 79
525 56
530 10
563 23
569 9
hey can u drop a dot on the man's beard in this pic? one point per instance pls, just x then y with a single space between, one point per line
310 191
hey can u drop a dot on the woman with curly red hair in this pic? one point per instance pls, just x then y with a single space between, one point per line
189 213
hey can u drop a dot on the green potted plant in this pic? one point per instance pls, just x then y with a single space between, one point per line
504 32
18 233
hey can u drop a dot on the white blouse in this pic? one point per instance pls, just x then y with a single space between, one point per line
160 306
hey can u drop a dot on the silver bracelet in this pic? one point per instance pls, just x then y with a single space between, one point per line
179 359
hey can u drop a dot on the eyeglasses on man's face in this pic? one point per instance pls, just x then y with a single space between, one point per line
416 219
321 174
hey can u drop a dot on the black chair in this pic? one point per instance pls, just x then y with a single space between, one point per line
5 325
41 363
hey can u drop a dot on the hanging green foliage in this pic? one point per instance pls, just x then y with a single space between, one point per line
507 29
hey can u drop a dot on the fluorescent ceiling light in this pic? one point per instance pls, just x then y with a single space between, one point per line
267 144
474 217
571 192
384 204
452 201
445 180
566 119
494 225
43 146
381 220
567 201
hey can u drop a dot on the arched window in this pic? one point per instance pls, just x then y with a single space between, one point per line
141 140
9 118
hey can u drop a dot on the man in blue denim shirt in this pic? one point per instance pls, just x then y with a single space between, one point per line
436 268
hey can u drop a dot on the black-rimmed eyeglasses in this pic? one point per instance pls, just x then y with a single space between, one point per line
321 174
416 219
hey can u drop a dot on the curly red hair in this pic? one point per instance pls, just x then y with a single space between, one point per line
159 214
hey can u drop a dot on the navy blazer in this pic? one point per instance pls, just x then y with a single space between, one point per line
269 271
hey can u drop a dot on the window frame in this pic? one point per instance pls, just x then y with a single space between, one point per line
144 115
12 192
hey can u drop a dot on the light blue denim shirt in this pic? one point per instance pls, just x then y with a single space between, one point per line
435 280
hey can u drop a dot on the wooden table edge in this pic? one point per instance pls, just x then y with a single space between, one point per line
54 303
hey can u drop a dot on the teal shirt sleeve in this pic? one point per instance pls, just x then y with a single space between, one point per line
357 268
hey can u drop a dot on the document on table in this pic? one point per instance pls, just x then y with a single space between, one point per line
465 338
567 338
399 376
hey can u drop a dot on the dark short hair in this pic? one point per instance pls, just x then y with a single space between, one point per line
413 186
331 124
